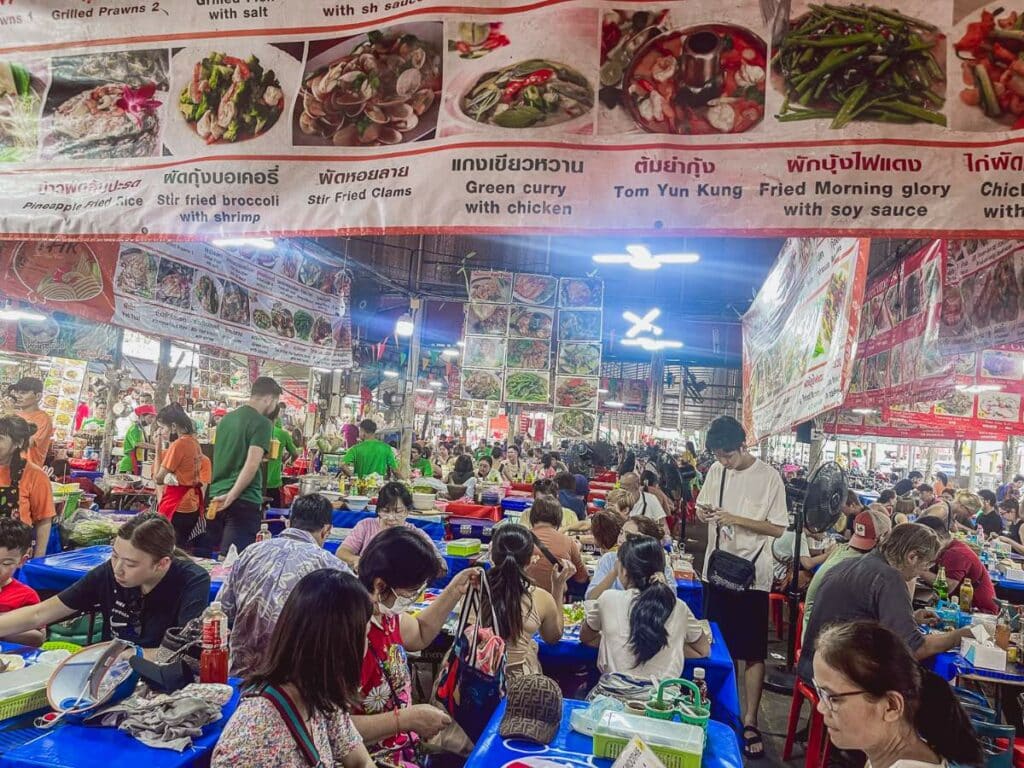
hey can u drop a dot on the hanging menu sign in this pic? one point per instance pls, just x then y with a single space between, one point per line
800 332
179 119
288 303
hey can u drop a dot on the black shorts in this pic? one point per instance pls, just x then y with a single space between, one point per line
743 619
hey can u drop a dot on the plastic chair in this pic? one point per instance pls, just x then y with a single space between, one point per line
980 714
776 604
799 633
997 741
967 696
818 744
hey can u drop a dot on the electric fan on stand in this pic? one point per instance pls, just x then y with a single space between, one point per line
816 505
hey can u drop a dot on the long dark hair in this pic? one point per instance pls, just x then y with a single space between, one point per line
511 552
20 431
877 661
643 559
318 641
153 534
462 470
174 415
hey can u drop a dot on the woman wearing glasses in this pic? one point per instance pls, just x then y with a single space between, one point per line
395 569
875 698
393 505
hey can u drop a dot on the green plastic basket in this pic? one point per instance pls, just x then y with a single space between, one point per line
23 703
59 645
685 704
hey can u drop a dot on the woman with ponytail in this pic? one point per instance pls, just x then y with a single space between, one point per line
183 475
25 492
522 609
877 699
645 630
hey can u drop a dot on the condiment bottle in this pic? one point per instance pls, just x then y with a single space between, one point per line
1003 626
264 533
213 661
699 679
966 596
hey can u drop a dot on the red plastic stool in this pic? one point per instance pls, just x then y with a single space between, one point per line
776 603
817 738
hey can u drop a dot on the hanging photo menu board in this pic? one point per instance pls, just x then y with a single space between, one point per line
166 119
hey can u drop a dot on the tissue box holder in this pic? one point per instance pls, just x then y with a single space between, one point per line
983 656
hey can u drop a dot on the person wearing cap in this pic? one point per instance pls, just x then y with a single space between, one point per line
27 392
869 528
243 438
135 442
961 562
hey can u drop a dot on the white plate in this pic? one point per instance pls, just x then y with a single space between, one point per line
180 136
429 31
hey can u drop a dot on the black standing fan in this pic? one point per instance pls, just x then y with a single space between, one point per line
816 505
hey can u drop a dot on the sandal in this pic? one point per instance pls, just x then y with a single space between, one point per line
750 742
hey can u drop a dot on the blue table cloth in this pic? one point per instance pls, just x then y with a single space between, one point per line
1011 590
867 497
691 593
71 745
950 664
721 749
433 526
719 670
59 571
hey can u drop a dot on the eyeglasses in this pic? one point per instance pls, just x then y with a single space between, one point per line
830 700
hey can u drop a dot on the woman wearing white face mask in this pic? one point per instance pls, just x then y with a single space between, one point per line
395 568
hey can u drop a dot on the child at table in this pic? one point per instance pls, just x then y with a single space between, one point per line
15 549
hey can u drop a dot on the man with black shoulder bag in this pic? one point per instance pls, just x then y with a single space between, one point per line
743 501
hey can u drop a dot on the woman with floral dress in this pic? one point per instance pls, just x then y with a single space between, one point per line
395 569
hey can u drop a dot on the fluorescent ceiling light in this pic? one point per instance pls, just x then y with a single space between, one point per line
613 404
390 374
652 345
640 257
424 391
689 413
450 352
8 362
435 384
13 313
405 326
975 389
323 370
865 411
643 324
263 243
602 391
460 343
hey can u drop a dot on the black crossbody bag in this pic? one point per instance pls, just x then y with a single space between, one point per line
726 570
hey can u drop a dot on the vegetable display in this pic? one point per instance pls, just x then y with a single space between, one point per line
230 99
847 63
992 56
574 423
529 94
527 387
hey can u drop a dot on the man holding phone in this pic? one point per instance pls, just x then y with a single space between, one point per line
743 501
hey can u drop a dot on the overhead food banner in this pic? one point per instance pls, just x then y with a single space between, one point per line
923 422
898 359
800 333
288 303
983 295
130 120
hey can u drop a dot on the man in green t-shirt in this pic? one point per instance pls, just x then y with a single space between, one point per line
369 456
135 441
419 459
274 466
243 437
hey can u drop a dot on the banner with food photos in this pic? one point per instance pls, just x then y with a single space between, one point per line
508 356
800 333
289 303
192 119
921 422
898 359
983 295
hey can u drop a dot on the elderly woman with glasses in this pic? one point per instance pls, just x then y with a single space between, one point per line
876 699
393 504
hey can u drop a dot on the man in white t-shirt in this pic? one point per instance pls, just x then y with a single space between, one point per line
647 504
743 501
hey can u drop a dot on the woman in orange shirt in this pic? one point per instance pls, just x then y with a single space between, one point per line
184 472
24 488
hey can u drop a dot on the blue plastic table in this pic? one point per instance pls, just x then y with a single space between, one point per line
691 593
719 670
59 571
433 526
82 746
867 497
951 664
1011 590
721 749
